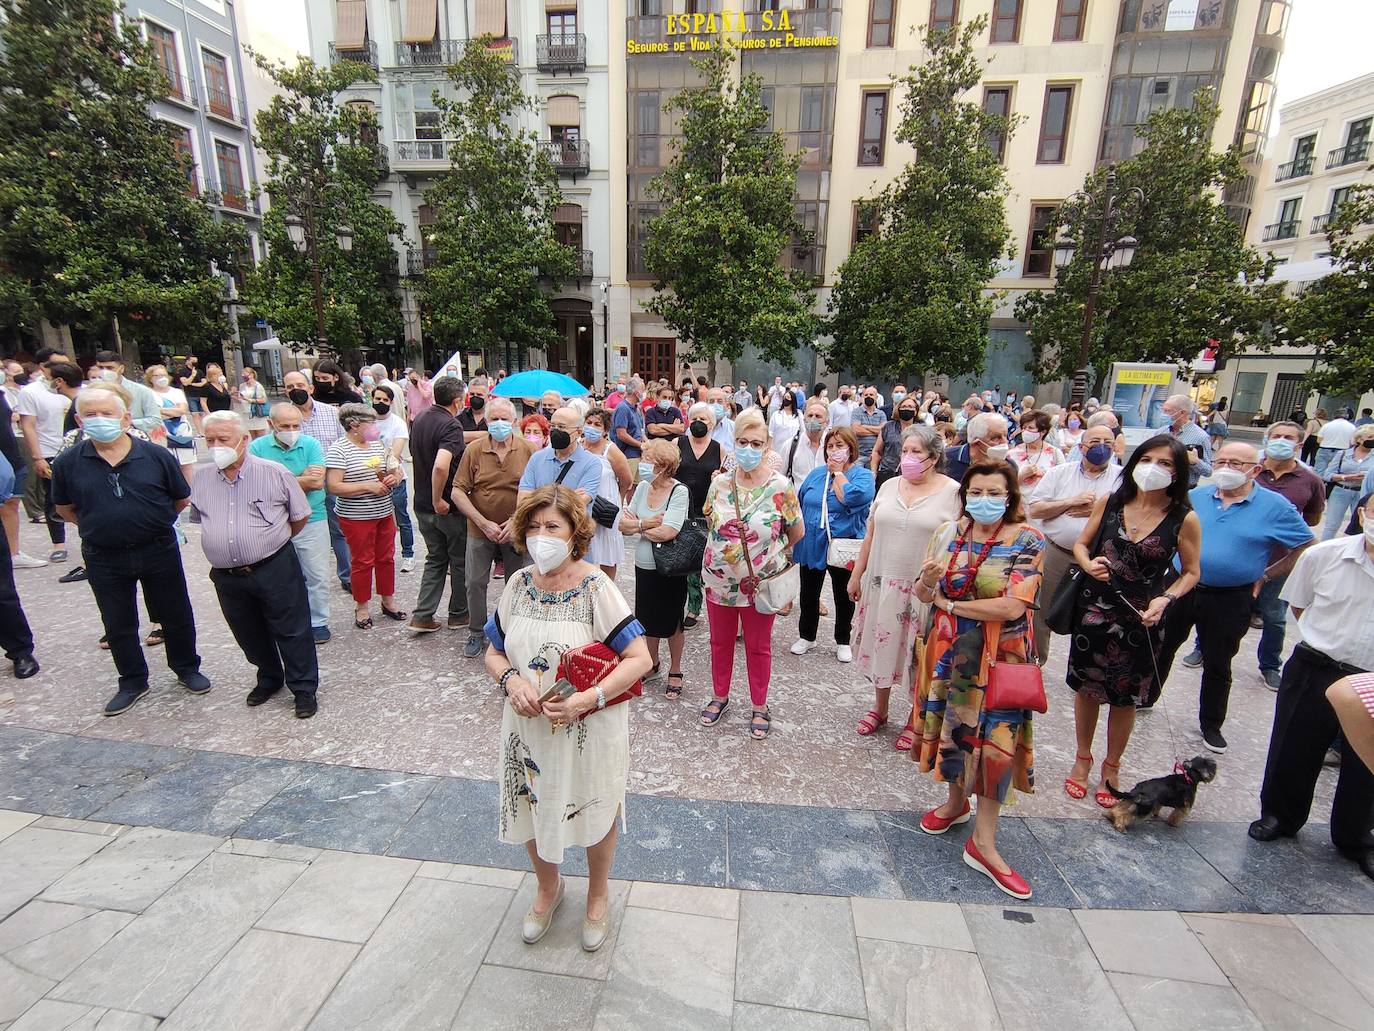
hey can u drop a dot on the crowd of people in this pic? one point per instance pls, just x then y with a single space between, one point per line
959 538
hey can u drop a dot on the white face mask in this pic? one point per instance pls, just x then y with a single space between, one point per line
288 437
997 452
547 552
224 457
1369 529
1229 479
161 381
1151 477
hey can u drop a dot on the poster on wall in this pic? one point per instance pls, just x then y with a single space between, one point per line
1136 393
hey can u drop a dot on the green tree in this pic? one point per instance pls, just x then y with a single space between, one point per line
1335 315
322 164
912 296
97 228
493 231
1193 277
728 213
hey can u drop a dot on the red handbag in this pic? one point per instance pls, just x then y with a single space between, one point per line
587 666
1012 685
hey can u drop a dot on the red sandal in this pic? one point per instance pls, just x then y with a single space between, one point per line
1103 797
870 723
906 740
1074 789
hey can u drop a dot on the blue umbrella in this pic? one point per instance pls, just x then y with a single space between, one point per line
534 382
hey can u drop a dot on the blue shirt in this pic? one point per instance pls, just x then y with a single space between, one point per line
1194 438
544 466
1237 540
848 518
629 418
123 506
306 453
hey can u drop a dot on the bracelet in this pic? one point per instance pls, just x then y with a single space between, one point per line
600 697
510 671
1172 597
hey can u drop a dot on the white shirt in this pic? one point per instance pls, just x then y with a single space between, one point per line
1063 482
393 428
398 398
724 434
782 428
1338 433
806 458
48 408
841 413
1333 584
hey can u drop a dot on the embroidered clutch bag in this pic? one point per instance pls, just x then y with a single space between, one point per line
587 666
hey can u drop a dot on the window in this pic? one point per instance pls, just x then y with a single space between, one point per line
1006 21
1357 135
997 101
217 84
872 127
429 250
1039 247
647 110
865 223
562 28
1302 155
1054 125
650 8
181 142
882 17
1338 197
230 175
943 14
1068 21
164 43
1288 214
567 225
812 119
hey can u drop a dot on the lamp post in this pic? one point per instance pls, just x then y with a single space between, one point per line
1111 252
303 238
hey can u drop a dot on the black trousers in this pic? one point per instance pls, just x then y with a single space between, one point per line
268 612
57 529
812 580
115 575
15 635
1222 616
1304 726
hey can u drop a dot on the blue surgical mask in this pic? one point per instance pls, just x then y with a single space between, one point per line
718 411
103 429
1280 450
664 404
986 511
960 420
591 434
748 458
1098 454
646 471
499 429
897 397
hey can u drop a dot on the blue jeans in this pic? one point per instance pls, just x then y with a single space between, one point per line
1274 611
1325 455
1338 508
312 548
342 559
400 502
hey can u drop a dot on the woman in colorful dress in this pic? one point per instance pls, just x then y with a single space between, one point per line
1115 641
888 642
982 574
1034 456
562 764
752 521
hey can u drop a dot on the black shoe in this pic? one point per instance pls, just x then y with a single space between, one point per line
24 667
123 701
306 706
75 574
196 682
260 694
1268 828
1361 857
1213 740
346 585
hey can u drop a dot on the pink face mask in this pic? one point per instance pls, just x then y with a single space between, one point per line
535 439
372 432
912 467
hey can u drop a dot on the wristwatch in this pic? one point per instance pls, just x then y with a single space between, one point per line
600 697
1172 597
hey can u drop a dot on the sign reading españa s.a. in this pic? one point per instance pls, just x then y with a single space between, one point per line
764 30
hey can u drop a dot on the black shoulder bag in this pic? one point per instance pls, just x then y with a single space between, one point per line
1060 613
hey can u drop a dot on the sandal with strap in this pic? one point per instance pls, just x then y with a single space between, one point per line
759 724
870 723
715 708
674 690
1073 788
906 740
1103 797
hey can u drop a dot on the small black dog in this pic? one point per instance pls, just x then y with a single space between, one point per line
1176 791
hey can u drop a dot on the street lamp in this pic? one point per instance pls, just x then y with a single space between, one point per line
1110 252
302 236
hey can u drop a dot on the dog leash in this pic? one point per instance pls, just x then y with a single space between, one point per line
1154 664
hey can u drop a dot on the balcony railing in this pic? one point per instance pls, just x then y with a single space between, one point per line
221 104
1295 169
381 157
1348 155
569 157
367 54
422 151
415 263
235 199
583 262
1281 231
1319 222
181 90
438 54
561 53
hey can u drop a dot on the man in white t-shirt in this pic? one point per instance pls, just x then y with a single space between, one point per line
1333 438
775 396
41 413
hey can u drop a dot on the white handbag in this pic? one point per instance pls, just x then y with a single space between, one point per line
841 552
769 594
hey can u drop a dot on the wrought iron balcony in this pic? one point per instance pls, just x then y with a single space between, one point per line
437 54
1295 169
381 157
221 104
569 157
415 263
366 54
181 90
583 261
566 52
1280 231
1319 222
1348 155
425 152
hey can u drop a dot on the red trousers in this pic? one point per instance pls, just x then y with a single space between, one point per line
372 546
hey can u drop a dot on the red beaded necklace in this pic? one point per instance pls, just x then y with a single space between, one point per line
971 573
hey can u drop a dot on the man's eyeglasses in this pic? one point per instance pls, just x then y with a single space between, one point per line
114 483
1231 463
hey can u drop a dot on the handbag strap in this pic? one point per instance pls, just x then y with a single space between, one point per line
744 527
825 507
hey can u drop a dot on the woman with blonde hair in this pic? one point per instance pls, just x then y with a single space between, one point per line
177 434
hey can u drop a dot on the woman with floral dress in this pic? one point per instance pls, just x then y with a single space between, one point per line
907 510
982 574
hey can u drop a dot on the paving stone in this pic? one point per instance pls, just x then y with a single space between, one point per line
19 989
796 848
918 986
503 997
57 954
52 1015
1147 943
673 841
1346 941
1161 1004
134 870
267 980
62 823
751 1016
647 986
457 824
341 896
37 919
33 858
416 968
559 951
1106 867
799 952
1041 971
353 810
151 965
12 820
75 776
270 850
940 925
1282 976
211 793
722 903
471 874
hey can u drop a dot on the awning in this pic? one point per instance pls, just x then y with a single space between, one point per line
560 5
421 21
564 111
270 344
490 19
351 33
571 213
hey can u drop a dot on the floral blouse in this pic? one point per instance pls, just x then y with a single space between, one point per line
768 512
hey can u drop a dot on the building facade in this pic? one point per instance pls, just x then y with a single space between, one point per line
559 48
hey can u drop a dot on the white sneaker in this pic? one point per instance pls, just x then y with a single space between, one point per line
22 561
801 646
407 564
844 653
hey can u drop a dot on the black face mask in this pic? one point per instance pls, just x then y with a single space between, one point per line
699 429
905 414
382 410
870 401
298 396
559 438
477 403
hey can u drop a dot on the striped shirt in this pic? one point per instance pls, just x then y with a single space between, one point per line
1194 438
248 518
322 423
360 465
